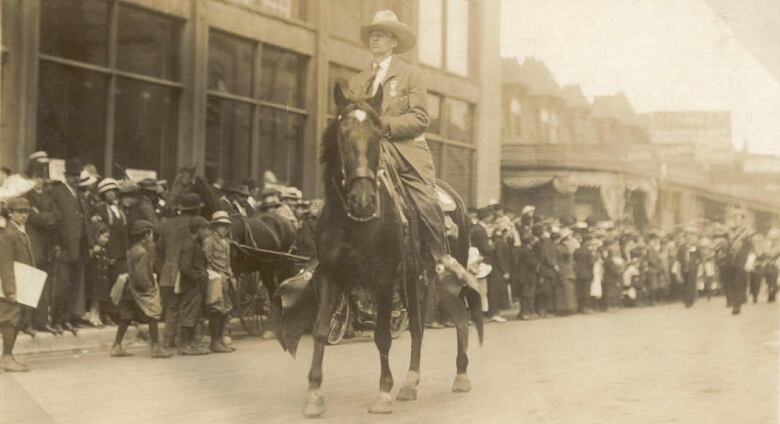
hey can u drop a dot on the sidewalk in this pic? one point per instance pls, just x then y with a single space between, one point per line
93 339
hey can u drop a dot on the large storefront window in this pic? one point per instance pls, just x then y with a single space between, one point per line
145 126
295 9
458 36
72 112
443 34
255 112
75 29
83 76
451 141
430 32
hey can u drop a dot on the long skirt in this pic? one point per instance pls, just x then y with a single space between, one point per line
739 287
565 292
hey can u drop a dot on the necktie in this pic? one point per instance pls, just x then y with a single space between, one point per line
370 87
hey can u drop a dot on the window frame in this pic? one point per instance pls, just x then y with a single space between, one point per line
445 62
256 104
113 73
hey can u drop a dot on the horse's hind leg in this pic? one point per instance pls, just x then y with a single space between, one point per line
416 309
383 404
329 292
457 311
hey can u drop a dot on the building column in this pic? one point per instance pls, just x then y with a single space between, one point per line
485 49
191 147
318 103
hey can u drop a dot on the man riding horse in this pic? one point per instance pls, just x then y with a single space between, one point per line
404 118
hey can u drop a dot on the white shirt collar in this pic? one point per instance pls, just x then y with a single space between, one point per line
384 64
21 229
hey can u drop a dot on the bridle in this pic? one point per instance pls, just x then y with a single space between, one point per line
347 178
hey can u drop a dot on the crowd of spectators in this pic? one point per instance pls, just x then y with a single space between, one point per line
116 254
560 266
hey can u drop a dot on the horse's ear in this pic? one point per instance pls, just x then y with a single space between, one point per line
339 97
376 101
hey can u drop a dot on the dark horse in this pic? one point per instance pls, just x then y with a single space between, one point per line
254 235
363 238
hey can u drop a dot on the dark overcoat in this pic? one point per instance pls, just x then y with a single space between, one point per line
15 246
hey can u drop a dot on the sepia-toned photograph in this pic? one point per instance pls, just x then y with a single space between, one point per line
389 211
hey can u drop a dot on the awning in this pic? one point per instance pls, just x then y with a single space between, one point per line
612 186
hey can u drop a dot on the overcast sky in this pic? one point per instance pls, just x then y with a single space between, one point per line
664 54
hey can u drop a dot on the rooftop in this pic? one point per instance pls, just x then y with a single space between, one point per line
572 95
615 107
533 74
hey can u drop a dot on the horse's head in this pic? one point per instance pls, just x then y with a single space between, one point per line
358 133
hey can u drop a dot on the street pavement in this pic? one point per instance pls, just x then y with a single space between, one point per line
663 364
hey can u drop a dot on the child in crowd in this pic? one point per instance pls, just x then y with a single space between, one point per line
140 298
97 274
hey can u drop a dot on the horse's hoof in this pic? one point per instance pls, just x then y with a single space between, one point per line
313 405
383 404
462 384
407 393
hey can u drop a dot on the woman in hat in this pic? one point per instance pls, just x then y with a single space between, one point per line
404 119
140 299
111 214
216 246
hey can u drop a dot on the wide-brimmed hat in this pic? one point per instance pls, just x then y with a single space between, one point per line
73 167
86 179
269 204
149 184
127 188
40 156
268 192
107 184
236 188
141 226
17 204
386 20
485 211
291 193
190 201
220 217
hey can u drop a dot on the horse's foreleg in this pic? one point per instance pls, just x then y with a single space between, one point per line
416 309
383 404
329 292
459 315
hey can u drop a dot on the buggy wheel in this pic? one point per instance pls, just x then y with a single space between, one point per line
250 304
399 322
340 320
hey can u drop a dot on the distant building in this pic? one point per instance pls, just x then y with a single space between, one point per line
604 161
709 132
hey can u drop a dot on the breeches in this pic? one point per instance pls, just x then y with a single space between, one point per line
421 194
190 307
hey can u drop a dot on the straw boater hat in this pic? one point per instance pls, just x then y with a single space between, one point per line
39 156
220 218
86 179
107 184
386 20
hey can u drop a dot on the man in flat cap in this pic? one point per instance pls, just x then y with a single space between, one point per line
15 246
